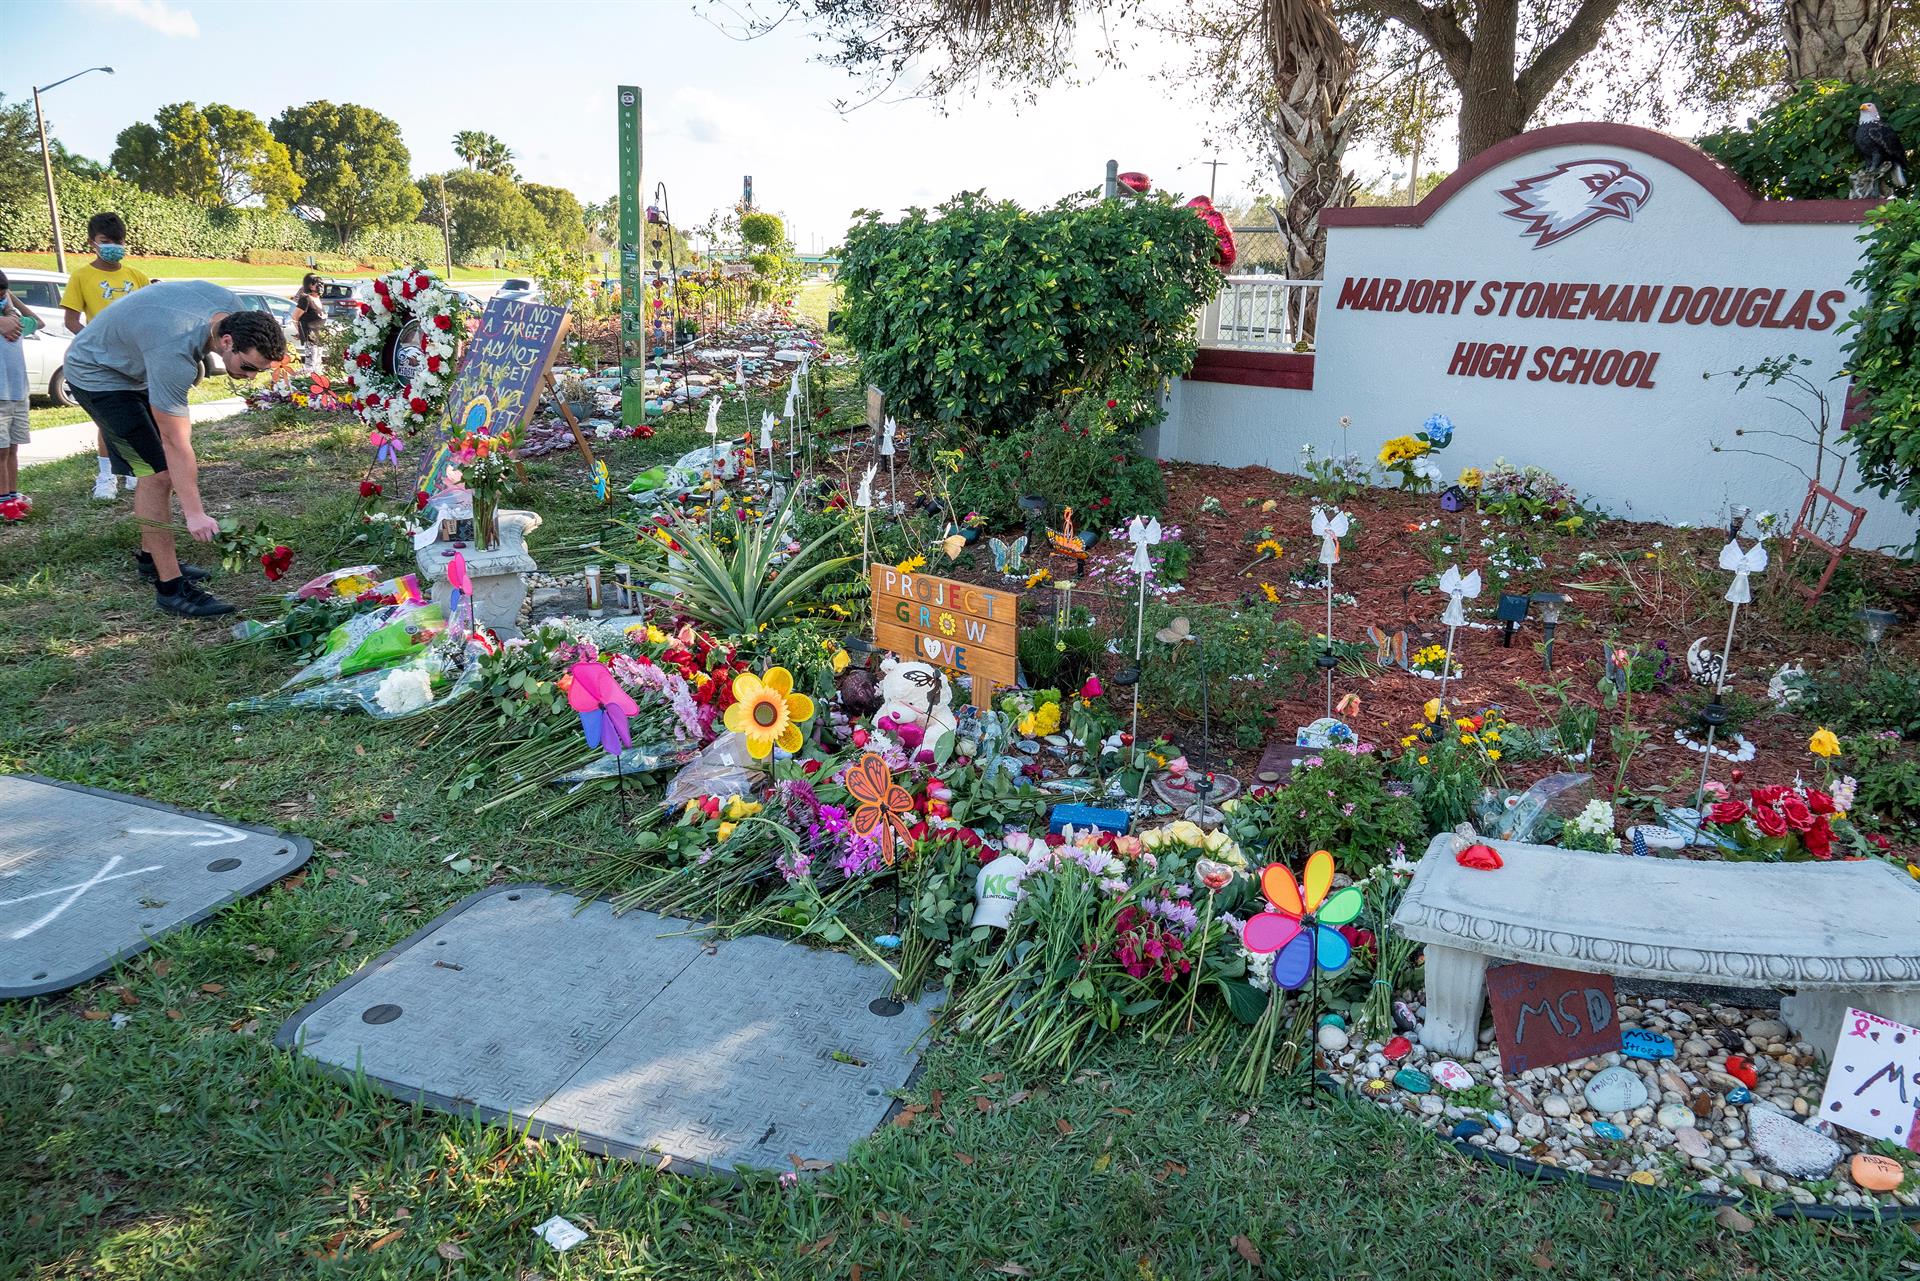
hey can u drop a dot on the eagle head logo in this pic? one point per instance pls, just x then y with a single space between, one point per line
1577 194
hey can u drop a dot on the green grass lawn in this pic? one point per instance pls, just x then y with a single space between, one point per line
816 298
45 413
227 271
184 1145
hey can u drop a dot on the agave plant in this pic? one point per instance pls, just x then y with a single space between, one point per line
736 592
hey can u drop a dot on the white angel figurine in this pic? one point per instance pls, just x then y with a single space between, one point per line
1332 527
1458 589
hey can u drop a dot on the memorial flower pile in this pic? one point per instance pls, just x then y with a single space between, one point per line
413 320
1778 824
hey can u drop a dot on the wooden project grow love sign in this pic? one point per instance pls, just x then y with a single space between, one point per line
967 629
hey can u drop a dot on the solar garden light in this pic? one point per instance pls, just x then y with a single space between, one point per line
1550 604
1512 612
1034 507
1737 518
1875 623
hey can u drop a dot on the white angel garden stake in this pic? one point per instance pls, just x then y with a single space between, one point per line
887 430
1742 563
864 501
766 433
1331 524
1459 589
1144 533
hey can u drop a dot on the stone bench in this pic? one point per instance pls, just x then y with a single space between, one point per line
1833 934
499 576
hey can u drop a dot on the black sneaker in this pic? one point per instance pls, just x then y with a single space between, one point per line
143 565
191 602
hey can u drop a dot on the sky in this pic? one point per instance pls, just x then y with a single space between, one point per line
542 75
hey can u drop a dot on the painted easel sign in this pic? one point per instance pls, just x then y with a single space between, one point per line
502 370
1873 1087
966 629
1543 1016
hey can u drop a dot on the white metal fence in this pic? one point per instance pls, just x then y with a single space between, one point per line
1261 313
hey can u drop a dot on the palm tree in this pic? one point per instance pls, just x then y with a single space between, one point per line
1311 66
495 157
470 145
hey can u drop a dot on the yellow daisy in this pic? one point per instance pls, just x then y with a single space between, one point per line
768 712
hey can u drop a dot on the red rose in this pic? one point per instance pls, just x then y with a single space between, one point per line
1819 840
363 360
1726 812
417 405
419 499
810 767
368 489
1769 795
1880 842
1769 821
1795 811
1113 404
380 287
1819 802
443 322
433 364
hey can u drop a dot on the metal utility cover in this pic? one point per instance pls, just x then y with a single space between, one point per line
89 878
632 1032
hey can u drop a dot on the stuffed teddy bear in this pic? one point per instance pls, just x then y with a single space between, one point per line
917 698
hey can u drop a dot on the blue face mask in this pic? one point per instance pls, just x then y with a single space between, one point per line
111 253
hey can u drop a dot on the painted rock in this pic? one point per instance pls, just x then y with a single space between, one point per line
1331 1037
1403 1017
1691 1141
1608 1130
1500 1121
1674 1116
1645 1178
1795 1150
1413 1081
1376 1086
1741 1070
1332 1020
1615 1089
1739 1096
1396 1049
1874 1173
1637 1043
1452 1075
1468 1128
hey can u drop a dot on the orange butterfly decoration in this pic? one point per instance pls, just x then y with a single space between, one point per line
882 802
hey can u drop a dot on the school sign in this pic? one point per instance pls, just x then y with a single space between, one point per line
1562 298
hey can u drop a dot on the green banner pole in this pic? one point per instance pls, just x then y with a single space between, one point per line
633 302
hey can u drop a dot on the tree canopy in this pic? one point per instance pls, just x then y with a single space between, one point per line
219 156
489 210
560 210
354 164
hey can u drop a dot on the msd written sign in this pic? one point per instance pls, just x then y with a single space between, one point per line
966 629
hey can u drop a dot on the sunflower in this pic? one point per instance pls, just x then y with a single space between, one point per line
768 712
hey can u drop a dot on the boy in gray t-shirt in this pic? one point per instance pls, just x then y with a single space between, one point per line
131 370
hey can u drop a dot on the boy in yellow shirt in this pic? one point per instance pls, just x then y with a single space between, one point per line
90 289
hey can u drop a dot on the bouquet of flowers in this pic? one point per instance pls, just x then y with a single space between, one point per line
483 464
1777 824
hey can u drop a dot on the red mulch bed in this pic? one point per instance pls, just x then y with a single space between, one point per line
1683 602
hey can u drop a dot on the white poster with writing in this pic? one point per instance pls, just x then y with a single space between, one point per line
1874 1084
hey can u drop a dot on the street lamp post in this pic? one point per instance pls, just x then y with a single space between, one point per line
46 165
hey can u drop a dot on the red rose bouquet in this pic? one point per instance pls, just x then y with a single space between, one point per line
1777 824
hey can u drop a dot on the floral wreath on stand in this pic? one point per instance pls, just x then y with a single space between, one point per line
402 355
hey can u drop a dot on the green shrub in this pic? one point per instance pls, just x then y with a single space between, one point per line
1882 699
1886 333
1888 775
1087 462
1063 659
986 314
1252 658
1802 147
1340 805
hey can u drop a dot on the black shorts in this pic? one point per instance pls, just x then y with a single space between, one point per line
126 420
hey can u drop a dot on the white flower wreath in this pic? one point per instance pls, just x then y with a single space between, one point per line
402 355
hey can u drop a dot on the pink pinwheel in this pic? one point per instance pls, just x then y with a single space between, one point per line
386 446
603 706
462 585
1302 923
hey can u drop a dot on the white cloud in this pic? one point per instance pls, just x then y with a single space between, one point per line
158 14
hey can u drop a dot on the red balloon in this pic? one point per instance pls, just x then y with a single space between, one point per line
1225 255
1137 182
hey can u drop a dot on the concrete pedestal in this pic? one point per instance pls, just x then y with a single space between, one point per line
499 576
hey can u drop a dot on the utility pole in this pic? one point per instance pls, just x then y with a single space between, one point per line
1213 177
446 225
46 165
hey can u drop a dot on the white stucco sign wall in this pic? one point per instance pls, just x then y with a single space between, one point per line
1561 299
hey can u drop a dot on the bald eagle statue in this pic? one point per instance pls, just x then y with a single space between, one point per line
1883 160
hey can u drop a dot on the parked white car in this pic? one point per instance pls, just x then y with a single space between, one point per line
46 348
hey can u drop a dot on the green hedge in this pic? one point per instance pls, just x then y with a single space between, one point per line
1802 147
987 315
162 227
1881 355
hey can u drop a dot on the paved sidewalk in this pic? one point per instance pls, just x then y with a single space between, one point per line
56 443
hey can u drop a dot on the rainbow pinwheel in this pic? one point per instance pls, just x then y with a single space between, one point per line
1302 923
603 706
600 480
